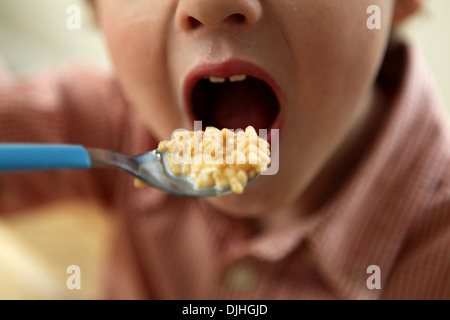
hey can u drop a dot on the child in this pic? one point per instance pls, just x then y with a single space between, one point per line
360 206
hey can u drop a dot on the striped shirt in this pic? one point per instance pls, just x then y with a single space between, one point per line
385 235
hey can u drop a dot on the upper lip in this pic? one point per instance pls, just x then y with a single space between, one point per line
228 69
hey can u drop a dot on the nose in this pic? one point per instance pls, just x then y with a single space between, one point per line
194 14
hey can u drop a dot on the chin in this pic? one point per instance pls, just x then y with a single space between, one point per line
258 200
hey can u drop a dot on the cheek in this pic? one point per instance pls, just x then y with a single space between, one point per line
336 61
338 43
137 48
337 56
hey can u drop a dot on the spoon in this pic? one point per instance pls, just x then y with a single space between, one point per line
150 167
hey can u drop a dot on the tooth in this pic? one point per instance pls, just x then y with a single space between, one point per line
238 78
216 80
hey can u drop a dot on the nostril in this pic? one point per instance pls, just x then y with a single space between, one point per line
236 18
192 23
192 15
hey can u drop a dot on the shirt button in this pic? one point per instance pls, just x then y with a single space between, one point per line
241 277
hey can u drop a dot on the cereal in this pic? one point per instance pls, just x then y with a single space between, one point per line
139 184
217 158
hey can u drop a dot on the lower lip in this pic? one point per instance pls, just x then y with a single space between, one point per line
226 70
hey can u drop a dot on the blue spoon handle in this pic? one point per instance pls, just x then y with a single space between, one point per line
25 157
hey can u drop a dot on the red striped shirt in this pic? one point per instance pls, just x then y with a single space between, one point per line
394 212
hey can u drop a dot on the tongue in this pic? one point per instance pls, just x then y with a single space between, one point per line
236 105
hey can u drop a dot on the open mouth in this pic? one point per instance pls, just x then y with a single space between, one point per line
233 96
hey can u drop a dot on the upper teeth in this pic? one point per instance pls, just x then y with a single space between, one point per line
235 78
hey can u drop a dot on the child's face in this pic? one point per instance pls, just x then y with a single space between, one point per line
319 54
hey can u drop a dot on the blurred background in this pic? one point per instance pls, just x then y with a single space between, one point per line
36 247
